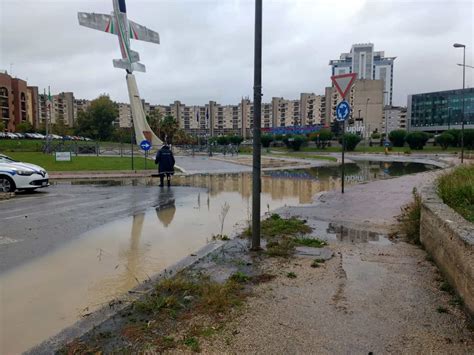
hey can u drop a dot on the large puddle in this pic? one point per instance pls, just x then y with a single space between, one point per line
40 298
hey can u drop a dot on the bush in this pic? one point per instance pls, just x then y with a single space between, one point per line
351 141
222 140
445 140
278 137
375 135
266 139
456 189
398 137
456 133
296 142
469 138
236 140
417 140
322 138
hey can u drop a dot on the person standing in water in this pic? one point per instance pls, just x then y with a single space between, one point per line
165 160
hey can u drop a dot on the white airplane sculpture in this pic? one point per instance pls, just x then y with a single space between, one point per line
118 24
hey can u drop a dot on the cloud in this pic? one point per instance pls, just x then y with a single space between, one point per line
207 46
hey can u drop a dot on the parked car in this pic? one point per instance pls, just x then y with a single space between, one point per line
12 135
15 175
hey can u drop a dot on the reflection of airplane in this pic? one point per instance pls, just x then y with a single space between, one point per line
118 24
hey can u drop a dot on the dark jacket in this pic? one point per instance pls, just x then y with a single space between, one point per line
165 160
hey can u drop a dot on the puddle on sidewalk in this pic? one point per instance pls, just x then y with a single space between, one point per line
41 297
336 232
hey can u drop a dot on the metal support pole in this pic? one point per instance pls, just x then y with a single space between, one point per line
146 157
257 104
343 149
131 144
463 87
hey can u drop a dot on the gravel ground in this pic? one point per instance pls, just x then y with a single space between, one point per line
370 298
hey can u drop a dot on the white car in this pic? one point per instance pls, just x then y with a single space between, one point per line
15 175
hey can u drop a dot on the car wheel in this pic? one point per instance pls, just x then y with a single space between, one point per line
6 184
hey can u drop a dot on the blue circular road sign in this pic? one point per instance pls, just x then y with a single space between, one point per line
343 109
145 145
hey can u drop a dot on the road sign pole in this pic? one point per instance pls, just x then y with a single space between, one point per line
257 102
343 149
146 157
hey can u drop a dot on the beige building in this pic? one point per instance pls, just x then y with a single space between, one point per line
312 109
394 118
125 115
286 113
366 101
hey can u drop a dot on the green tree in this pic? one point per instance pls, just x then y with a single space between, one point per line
417 140
167 128
456 133
154 119
351 141
97 120
322 138
445 139
397 137
469 138
222 140
24 127
2 126
266 139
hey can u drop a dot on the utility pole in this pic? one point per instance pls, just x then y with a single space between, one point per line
257 104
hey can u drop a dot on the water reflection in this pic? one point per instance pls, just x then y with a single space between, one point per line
350 235
55 290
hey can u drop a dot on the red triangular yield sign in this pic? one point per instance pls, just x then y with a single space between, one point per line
343 82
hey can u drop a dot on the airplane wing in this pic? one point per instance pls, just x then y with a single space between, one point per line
99 22
142 33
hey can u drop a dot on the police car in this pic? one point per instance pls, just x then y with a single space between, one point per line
16 175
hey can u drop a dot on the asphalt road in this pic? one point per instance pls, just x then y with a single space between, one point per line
33 224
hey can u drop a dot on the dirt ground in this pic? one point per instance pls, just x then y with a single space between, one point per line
374 296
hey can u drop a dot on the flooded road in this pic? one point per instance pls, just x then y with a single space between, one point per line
90 242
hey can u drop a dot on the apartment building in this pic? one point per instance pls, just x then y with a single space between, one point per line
369 65
394 118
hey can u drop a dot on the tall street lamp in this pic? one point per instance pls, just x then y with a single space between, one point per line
465 65
463 46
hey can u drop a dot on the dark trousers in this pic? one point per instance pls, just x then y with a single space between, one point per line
162 178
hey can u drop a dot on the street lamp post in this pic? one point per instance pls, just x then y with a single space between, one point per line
463 46
366 115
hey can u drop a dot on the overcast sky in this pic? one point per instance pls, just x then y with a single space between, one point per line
206 50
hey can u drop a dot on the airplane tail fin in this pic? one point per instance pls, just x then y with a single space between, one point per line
130 67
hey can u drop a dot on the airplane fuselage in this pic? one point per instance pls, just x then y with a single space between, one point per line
122 28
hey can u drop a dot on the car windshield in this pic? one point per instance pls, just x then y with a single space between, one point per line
5 159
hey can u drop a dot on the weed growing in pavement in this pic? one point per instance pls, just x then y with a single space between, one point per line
240 277
291 275
310 242
409 220
446 287
285 247
192 343
224 210
441 309
317 262
220 237
456 301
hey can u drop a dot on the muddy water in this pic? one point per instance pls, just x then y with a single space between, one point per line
40 298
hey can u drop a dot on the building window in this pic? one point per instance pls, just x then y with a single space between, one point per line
4 104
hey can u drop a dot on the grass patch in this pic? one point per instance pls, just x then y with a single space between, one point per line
291 275
89 163
456 189
301 155
240 277
456 301
283 248
409 220
310 242
192 343
276 226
